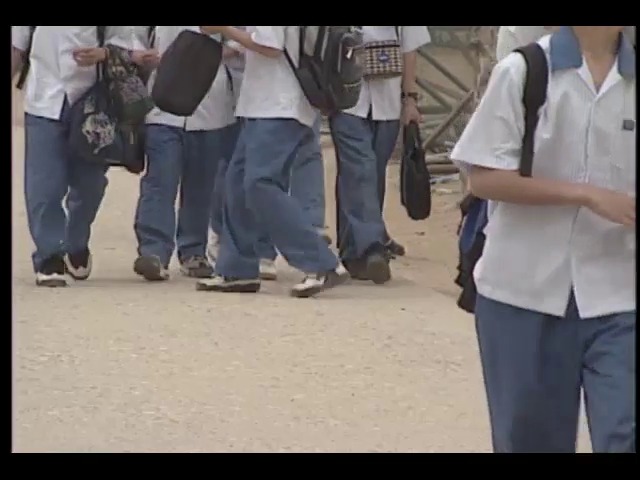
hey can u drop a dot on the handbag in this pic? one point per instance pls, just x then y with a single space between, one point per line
383 59
415 179
96 135
131 99
186 73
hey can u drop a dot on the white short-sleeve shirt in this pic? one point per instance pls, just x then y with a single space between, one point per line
383 97
216 109
510 38
535 255
131 38
54 74
270 88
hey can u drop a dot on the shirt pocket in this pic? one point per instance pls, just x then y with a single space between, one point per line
623 163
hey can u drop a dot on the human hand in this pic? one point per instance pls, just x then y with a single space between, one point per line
87 57
410 112
616 207
146 58
228 52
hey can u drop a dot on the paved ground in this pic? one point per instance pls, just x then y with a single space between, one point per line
115 364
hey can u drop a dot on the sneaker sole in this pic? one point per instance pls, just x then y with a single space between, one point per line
378 271
149 270
239 288
72 271
269 277
52 283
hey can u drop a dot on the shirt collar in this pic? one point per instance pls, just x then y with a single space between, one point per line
565 53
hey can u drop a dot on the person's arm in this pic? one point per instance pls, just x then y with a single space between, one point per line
412 38
490 147
20 36
267 41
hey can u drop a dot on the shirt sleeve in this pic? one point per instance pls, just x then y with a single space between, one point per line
414 38
272 37
507 42
20 37
493 136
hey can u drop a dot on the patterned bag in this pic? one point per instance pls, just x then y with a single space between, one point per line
96 135
131 98
383 59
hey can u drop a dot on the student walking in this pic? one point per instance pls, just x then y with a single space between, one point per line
183 157
278 119
59 75
556 305
365 137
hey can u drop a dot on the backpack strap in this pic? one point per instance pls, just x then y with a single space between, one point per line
151 36
26 61
102 35
301 37
534 97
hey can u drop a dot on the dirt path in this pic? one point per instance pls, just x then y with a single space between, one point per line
115 364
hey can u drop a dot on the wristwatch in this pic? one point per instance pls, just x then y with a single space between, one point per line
413 95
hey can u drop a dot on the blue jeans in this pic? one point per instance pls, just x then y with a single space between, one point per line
257 199
385 137
359 216
229 141
534 366
187 160
52 171
306 186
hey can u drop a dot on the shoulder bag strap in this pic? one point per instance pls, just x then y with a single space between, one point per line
534 97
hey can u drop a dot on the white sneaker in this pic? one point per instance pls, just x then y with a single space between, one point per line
51 280
268 270
218 283
311 285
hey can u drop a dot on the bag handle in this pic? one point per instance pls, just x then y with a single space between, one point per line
100 66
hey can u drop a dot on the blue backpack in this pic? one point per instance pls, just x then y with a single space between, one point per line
473 209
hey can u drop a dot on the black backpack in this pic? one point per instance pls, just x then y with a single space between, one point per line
415 180
186 73
330 69
474 209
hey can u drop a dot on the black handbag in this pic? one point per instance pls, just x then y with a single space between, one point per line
97 135
415 180
186 72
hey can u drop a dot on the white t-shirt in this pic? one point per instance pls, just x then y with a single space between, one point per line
270 88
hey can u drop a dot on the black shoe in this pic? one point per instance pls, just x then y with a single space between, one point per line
151 269
79 265
221 284
52 273
196 267
377 268
357 269
394 249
